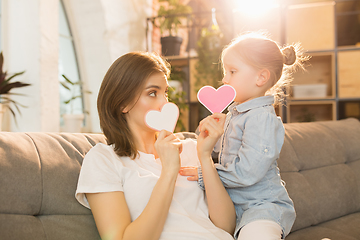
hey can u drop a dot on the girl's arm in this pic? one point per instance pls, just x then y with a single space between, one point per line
262 139
221 208
110 209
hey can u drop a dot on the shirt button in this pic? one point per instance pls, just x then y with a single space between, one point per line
266 150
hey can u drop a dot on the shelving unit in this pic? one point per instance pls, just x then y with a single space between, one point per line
189 115
318 79
187 61
329 31
309 111
325 33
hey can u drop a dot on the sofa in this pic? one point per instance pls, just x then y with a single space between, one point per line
320 163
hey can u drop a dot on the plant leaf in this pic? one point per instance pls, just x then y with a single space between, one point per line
2 78
9 100
64 85
1 63
5 89
68 80
73 98
14 75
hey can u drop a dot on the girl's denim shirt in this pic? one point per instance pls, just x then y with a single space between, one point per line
249 149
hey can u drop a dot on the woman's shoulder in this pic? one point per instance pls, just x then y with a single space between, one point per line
100 172
102 153
100 149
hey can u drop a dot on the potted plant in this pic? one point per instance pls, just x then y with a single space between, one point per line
208 67
6 86
73 122
170 14
177 95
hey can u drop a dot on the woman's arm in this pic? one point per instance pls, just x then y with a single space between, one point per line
110 209
113 219
221 208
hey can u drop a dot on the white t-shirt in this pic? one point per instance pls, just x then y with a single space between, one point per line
104 171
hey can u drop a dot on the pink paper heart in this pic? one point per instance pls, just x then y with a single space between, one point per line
216 100
165 119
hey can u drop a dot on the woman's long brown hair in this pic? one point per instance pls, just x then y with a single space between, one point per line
121 87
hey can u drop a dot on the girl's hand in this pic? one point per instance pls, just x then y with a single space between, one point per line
222 215
168 148
191 171
211 128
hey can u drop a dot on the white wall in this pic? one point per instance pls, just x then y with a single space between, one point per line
30 43
103 30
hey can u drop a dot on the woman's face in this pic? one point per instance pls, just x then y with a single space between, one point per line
153 96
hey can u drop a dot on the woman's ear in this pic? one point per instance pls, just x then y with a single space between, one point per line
126 109
263 77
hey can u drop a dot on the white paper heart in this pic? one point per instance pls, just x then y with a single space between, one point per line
165 119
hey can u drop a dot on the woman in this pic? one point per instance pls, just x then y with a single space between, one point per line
132 184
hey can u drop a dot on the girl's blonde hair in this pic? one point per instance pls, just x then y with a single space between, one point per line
260 52
121 87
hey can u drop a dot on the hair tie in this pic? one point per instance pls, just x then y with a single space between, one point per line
289 55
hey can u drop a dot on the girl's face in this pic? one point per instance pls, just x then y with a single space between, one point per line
240 76
153 96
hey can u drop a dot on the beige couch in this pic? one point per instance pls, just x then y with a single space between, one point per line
320 163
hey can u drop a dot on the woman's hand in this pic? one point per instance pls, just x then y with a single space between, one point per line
211 128
168 148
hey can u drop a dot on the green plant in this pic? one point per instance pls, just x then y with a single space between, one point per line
171 12
74 89
208 68
178 97
6 86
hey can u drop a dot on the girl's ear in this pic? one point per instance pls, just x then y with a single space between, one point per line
263 77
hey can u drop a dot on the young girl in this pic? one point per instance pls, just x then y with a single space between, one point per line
132 184
253 136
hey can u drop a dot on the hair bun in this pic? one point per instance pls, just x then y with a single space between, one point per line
289 55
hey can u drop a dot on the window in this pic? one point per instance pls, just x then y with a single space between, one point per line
69 67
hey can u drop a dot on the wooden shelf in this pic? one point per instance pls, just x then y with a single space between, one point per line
320 71
349 76
311 111
349 109
312 25
348 23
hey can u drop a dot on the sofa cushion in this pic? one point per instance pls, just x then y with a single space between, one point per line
320 163
38 178
20 175
344 228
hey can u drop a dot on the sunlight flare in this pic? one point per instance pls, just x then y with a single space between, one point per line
255 8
